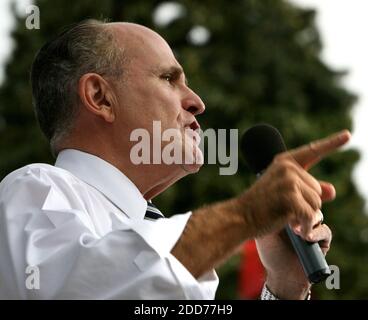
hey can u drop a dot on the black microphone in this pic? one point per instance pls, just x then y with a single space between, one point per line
259 145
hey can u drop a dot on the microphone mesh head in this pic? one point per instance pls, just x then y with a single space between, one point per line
259 145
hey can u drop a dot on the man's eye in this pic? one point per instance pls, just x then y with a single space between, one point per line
167 77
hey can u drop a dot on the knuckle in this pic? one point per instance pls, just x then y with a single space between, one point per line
305 234
328 231
279 157
309 237
283 171
292 185
319 202
283 163
316 204
294 225
316 185
292 196
308 217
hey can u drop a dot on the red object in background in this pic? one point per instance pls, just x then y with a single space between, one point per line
251 275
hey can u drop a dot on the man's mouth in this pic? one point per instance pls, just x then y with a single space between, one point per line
194 125
192 130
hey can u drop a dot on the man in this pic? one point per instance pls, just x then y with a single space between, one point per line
85 228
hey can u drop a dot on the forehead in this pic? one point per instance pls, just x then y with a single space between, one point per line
144 47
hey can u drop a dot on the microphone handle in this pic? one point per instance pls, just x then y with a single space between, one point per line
310 256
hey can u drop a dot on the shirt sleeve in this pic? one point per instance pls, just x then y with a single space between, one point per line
53 252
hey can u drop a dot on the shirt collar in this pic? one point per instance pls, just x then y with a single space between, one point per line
106 178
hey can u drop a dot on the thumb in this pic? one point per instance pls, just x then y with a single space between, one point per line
328 191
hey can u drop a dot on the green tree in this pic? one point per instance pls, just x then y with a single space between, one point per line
261 64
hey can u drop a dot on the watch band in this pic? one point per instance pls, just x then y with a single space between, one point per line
266 294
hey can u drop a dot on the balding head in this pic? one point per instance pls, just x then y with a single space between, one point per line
88 46
137 40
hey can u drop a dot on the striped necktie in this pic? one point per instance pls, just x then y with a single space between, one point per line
152 212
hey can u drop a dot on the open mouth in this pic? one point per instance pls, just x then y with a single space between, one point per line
192 130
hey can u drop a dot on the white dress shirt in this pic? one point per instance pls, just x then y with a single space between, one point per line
76 230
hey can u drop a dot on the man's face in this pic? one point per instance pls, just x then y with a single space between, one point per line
155 89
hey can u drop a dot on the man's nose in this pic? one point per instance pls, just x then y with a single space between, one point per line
193 103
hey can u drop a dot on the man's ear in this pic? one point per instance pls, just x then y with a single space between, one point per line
96 96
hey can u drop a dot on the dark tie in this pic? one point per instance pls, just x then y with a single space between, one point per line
152 212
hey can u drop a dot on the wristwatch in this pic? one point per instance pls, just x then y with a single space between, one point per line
266 294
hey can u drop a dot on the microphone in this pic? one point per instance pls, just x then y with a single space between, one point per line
259 145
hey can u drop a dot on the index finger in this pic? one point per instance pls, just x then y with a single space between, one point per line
310 154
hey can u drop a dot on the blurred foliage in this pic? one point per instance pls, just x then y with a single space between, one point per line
261 64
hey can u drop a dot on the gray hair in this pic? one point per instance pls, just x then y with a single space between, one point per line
88 46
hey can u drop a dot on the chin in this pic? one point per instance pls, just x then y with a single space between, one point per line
191 168
196 162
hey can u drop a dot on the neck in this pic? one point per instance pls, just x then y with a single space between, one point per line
150 179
